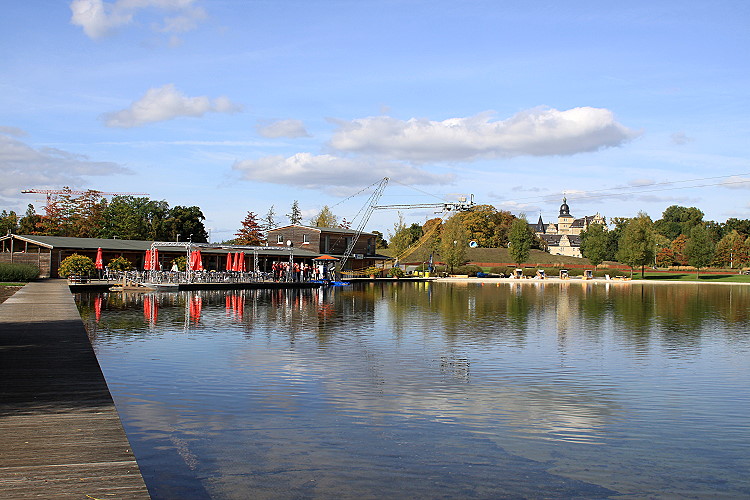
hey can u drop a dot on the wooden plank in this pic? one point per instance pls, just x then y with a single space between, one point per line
60 434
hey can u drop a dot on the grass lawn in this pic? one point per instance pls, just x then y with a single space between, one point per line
690 276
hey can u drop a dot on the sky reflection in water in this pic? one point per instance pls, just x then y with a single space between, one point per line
433 390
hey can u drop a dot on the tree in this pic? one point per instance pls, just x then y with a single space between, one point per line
380 241
487 226
185 221
700 248
454 239
295 215
637 246
131 218
742 226
677 220
324 218
731 250
520 239
594 243
251 233
345 224
678 250
401 237
415 233
29 222
8 222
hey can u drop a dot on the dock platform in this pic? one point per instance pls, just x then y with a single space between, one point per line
60 434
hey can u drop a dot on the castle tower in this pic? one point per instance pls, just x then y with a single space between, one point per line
564 219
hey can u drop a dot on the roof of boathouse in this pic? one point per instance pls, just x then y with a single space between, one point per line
118 245
339 230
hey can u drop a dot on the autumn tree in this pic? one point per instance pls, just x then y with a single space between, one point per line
520 240
251 233
637 246
295 214
454 239
732 250
324 218
678 249
487 226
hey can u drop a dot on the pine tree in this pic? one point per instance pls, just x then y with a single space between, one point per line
251 232
269 221
295 216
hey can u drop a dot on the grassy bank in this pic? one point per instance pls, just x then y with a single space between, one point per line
691 276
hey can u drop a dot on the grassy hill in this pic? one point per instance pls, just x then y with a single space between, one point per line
485 256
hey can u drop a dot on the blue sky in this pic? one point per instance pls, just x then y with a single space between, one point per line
235 106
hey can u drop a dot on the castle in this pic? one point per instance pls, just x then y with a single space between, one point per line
564 237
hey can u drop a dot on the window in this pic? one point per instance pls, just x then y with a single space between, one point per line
305 239
279 239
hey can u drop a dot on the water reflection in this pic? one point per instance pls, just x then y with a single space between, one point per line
389 390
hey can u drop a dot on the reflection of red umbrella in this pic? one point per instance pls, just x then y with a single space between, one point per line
229 261
154 264
147 261
99 261
98 307
196 304
150 309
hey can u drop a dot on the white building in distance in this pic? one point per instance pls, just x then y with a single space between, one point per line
564 237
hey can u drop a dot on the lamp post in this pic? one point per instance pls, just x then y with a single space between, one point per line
290 271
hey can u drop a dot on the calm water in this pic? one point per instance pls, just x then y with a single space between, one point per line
434 390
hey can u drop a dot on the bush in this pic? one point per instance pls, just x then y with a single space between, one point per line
14 273
396 272
469 269
120 264
76 265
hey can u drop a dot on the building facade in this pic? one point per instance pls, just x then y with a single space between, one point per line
563 238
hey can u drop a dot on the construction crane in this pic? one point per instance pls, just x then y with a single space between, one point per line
462 205
53 192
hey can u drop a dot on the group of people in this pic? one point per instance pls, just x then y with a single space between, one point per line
283 271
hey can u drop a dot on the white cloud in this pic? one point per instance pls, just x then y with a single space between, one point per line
23 166
331 173
166 103
282 128
680 138
99 18
535 132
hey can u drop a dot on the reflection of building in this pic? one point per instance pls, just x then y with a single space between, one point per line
564 237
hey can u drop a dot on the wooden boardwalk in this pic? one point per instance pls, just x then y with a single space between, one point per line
60 434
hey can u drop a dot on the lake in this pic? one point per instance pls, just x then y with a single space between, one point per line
433 390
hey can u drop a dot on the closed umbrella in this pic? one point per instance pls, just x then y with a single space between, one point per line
242 262
147 261
154 266
236 263
99 261
196 262
229 261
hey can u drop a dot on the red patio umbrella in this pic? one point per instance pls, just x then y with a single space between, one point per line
154 264
147 261
196 262
99 261
236 263
242 262
229 261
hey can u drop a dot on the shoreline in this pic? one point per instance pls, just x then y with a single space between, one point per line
581 281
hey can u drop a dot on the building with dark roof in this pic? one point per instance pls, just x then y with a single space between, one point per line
564 237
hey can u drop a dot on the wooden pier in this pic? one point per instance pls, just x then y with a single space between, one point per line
60 434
